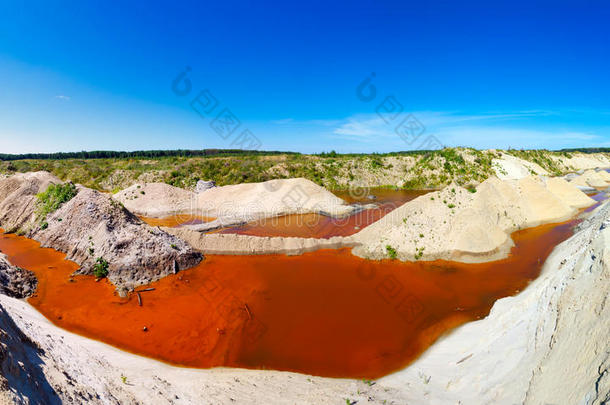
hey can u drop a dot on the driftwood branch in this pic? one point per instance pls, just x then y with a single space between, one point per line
248 311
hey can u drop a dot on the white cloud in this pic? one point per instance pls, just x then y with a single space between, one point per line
493 130
62 97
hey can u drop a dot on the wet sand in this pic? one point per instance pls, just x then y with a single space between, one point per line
177 220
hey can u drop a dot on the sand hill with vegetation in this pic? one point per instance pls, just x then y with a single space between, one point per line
93 230
469 225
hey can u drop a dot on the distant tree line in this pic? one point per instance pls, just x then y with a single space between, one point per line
105 154
586 150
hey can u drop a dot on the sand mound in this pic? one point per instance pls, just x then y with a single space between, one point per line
583 161
156 199
604 175
456 224
512 167
93 225
568 193
271 198
590 178
137 254
18 197
235 203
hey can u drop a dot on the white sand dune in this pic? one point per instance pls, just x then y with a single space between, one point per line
459 225
241 202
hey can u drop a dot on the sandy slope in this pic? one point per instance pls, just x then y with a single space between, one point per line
233 244
583 161
532 344
156 200
459 225
546 345
592 178
18 197
92 225
234 203
512 167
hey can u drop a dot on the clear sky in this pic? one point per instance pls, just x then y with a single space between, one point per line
91 75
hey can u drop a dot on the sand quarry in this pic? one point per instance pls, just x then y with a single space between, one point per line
490 295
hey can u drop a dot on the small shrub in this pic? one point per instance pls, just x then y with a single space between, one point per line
100 269
391 252
44 225
54 196
451 205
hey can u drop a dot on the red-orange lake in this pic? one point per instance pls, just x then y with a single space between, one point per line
325 313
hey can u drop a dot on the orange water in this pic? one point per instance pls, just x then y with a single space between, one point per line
177 220
321 226
325 313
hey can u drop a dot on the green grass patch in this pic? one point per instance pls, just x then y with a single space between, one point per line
391 252
51 199
100 269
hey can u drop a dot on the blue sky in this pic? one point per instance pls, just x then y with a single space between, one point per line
485 74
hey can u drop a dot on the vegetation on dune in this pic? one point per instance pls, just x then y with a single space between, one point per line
52 198
113 171
392 254
100 268
542 158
